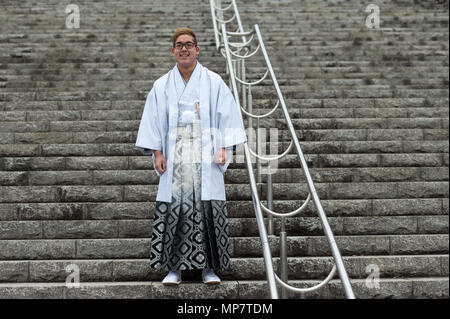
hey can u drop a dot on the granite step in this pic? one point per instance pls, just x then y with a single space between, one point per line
338 108
124 211
93 137
283 191
120 270
133 125
232 176
384 149
406 288
139 248
238 227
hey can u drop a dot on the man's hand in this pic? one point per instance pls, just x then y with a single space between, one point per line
221 156
160 162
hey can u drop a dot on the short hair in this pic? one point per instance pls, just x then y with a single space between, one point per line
181 31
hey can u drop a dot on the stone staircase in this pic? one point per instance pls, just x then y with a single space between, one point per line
370 108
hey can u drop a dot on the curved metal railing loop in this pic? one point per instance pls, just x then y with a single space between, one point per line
253 83
222 51
237 33
241 34
309 289
276 157
222 9
263 115
226 21
239 45
247 55
290 214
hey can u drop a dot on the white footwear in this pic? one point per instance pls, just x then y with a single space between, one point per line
209 277
173 278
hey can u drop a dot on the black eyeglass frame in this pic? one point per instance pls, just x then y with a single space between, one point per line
180 45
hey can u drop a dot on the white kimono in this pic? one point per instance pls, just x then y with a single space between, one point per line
221 125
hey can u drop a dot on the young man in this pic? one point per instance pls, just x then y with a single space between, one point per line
189 125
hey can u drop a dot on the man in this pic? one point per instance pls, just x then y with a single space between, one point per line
189 125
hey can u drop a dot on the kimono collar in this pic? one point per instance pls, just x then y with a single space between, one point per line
180 85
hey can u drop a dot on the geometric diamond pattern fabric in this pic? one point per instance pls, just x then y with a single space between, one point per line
189 233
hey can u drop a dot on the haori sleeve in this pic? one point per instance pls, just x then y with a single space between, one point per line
229 121
149 133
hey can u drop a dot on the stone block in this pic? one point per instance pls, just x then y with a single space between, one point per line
60 178
433 224
110 290
433 288
422 189
418 244
135 228
380 225
20 230
352 245
417 206
135 270
390 134
36 249
410 160
13 271
31 291
80 229
59 270
113 248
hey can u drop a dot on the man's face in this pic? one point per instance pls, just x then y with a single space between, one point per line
185 57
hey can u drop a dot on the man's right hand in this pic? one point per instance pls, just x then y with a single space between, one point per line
160 162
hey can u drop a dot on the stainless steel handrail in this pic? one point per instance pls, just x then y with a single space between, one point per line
258 206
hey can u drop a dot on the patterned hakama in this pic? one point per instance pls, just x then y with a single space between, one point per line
189 233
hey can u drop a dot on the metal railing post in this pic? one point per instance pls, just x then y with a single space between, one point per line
237 72
256 201
283 257
329 234
269 200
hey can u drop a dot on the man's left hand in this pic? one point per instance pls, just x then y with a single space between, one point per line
221 156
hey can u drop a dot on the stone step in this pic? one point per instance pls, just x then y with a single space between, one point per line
129 125
406 288
307 93
235 209
158 66
120 270
238 227
435 53
118 38
298 112
282 191
139 248
303 108
360 163
232 176
137 70
161 62
54 83
385 149
93 137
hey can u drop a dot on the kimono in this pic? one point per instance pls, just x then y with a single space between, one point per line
221 126
190 227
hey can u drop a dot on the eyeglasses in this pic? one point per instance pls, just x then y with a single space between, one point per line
188 45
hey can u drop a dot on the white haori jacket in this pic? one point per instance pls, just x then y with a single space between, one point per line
221 126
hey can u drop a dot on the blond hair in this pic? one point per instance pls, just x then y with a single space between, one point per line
182 31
